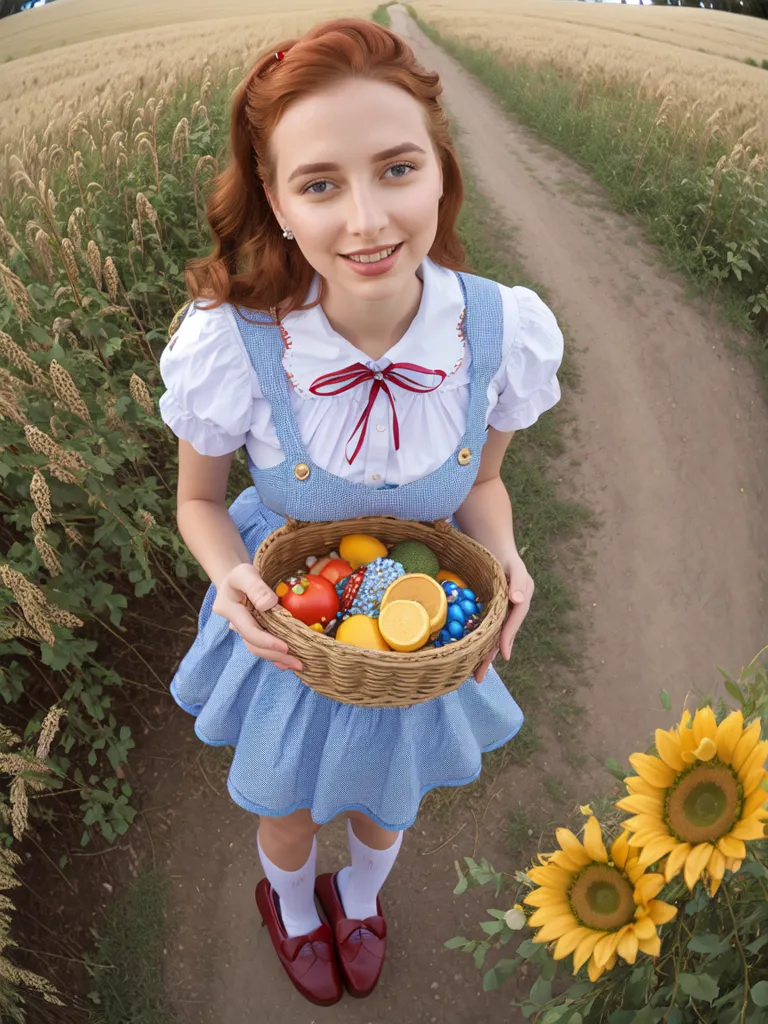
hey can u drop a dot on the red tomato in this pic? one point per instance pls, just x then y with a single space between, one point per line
335 570
318 601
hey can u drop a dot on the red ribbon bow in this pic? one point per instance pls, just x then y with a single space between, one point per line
342 380
320 948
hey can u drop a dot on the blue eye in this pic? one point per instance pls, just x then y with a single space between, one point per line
403 167
311 186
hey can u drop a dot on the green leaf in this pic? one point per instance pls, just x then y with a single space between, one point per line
463 880
541 992
699 986
760 993
456 942
490 981
527 949
479 955
492 927
708 944
506 968
616 769
666 701
757 945
735 691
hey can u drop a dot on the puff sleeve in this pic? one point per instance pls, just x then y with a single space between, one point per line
526 384
210 382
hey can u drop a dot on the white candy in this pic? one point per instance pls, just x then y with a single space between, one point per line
334 554
311 559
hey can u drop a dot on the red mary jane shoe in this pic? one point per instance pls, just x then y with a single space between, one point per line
309 960
361 945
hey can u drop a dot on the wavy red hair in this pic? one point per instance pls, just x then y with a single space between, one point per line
250 264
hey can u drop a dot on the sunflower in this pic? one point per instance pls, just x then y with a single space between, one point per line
596 907
701 799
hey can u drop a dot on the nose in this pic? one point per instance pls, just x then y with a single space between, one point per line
366 212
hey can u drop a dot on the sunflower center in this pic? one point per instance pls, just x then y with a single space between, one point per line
703 804
602 898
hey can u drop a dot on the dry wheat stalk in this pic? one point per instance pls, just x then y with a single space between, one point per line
16 356
62 474
147 519
19 808
145 209
70 263
63 618
48 555
140 393
67 391
7 240
17 294
8 737
111 278
74 536
42 246
136 232
37 522
31 600
73 229
40 494
180 141
39 441
48 730
93 258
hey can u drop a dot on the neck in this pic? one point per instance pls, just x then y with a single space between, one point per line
373 326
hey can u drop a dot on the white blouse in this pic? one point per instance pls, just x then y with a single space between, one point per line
215 403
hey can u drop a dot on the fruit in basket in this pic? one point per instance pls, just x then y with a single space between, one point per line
336 569
310 599
404 625
415 557
450 577
361 631
426 591
360 549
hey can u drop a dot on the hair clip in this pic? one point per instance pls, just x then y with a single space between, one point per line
280 55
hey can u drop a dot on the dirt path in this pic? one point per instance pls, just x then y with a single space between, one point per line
670 439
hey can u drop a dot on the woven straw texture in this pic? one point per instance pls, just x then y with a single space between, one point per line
355 675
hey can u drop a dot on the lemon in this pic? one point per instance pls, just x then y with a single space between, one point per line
404 625
425 590
361 631
360 549
450 577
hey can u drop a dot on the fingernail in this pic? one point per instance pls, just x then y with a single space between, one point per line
518 596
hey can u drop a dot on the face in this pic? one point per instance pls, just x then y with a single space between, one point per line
357 177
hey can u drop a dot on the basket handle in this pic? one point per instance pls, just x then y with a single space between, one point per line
292 525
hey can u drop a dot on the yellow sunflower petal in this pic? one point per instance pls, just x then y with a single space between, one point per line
753 781
728 735
637 785
716 864
545 897
572 847
747 743
754 760
645 823
668 746
675 860
627 947
640 803
552 876
555 928
567 943
584 949
706 750
755 802
593 841
653 770
633 871
544 915
620 850
645 928
562 860
605 948
639 840
661 912
655 850
648 886
695 863
651 946
749 829
704 725
733 848
713 885
594 971
732 864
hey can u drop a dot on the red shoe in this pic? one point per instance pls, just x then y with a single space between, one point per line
361 945
308 960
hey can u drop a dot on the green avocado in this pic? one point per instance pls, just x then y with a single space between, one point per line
415 557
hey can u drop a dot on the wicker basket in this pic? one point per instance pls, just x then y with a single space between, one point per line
354 675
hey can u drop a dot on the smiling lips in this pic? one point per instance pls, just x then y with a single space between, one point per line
372 257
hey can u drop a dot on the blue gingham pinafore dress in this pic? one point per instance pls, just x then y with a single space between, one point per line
293 747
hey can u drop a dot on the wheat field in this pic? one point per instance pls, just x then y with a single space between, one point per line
690 54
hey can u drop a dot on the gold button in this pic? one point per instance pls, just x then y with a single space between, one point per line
464 457
375 476
301 472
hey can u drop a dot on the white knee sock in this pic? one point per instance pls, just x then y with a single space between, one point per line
296 892
359 885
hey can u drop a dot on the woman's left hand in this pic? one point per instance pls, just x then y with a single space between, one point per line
520 592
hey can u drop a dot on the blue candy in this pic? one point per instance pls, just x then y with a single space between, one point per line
468 607
455 629
468 594
456 614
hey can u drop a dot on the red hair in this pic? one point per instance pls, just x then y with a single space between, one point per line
251 264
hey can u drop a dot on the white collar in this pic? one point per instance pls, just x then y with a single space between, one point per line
434 339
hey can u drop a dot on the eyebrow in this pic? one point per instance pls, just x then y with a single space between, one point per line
385 154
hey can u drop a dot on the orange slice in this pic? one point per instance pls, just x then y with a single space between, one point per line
361 631
404 625
417 586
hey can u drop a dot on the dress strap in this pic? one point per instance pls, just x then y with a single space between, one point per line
265 345
484 331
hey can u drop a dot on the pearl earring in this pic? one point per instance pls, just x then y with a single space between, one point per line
287 233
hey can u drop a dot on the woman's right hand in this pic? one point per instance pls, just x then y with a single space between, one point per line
245 582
